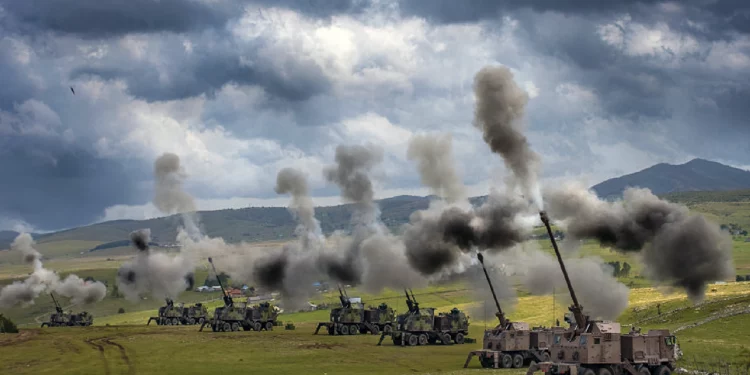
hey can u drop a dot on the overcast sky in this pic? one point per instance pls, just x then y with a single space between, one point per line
240 89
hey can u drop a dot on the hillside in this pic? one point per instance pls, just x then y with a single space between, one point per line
695 175
257 224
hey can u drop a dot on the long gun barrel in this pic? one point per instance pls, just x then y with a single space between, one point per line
416 304
500 315
576 308
409 302
227 299
57 305
343 298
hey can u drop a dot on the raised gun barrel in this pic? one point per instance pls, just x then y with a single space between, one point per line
344 299
500 315
416 304
576 308
409 302
227 299
57 305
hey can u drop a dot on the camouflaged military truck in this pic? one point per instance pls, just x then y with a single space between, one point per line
63 319
511 344
352 319
260 317
597 347
231 317
420 326
170 314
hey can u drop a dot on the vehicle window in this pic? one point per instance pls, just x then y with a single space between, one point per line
557 339
596 340
584 340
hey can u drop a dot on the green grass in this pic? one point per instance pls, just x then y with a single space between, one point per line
159 349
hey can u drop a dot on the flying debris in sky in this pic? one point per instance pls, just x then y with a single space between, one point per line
73 91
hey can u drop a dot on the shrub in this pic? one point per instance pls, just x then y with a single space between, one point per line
121 310
7 326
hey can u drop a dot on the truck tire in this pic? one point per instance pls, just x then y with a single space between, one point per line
588 371
257 326
235 327
605 371
227 327
175 322
191 321
517 361
169 322
662 370
506 361
459 338
446 339
423 339
269 326
644 371
344 329
353 329
375 329
201 320
413 340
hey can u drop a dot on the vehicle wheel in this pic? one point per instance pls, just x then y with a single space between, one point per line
353 329
517 361
662 370
257 326
459 338
201 321
269 326
344 330
423 339
191 321
169 322
227 327
447 339
235 327
605 371
588 371
375 330
644 371
175 322
506 361
388 329
413 340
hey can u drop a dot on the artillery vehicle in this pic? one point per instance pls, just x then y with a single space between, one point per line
231 317
63 319
511 344
420 326
597 347
170 314
353 319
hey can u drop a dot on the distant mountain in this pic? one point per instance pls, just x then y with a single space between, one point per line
254 224
695 175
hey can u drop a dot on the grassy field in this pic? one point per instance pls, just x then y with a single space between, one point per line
128 346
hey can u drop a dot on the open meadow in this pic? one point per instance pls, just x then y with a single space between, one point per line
710 333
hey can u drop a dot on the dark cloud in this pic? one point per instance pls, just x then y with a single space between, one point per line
98 19
214 61
104 19
53 185
449 11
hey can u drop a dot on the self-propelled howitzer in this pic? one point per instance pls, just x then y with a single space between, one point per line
511 344
63 319
352 319
596 347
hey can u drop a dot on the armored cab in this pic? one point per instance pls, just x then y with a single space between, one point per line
597 347
353 318
420 326
62 319
262 316
379 319
511 344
